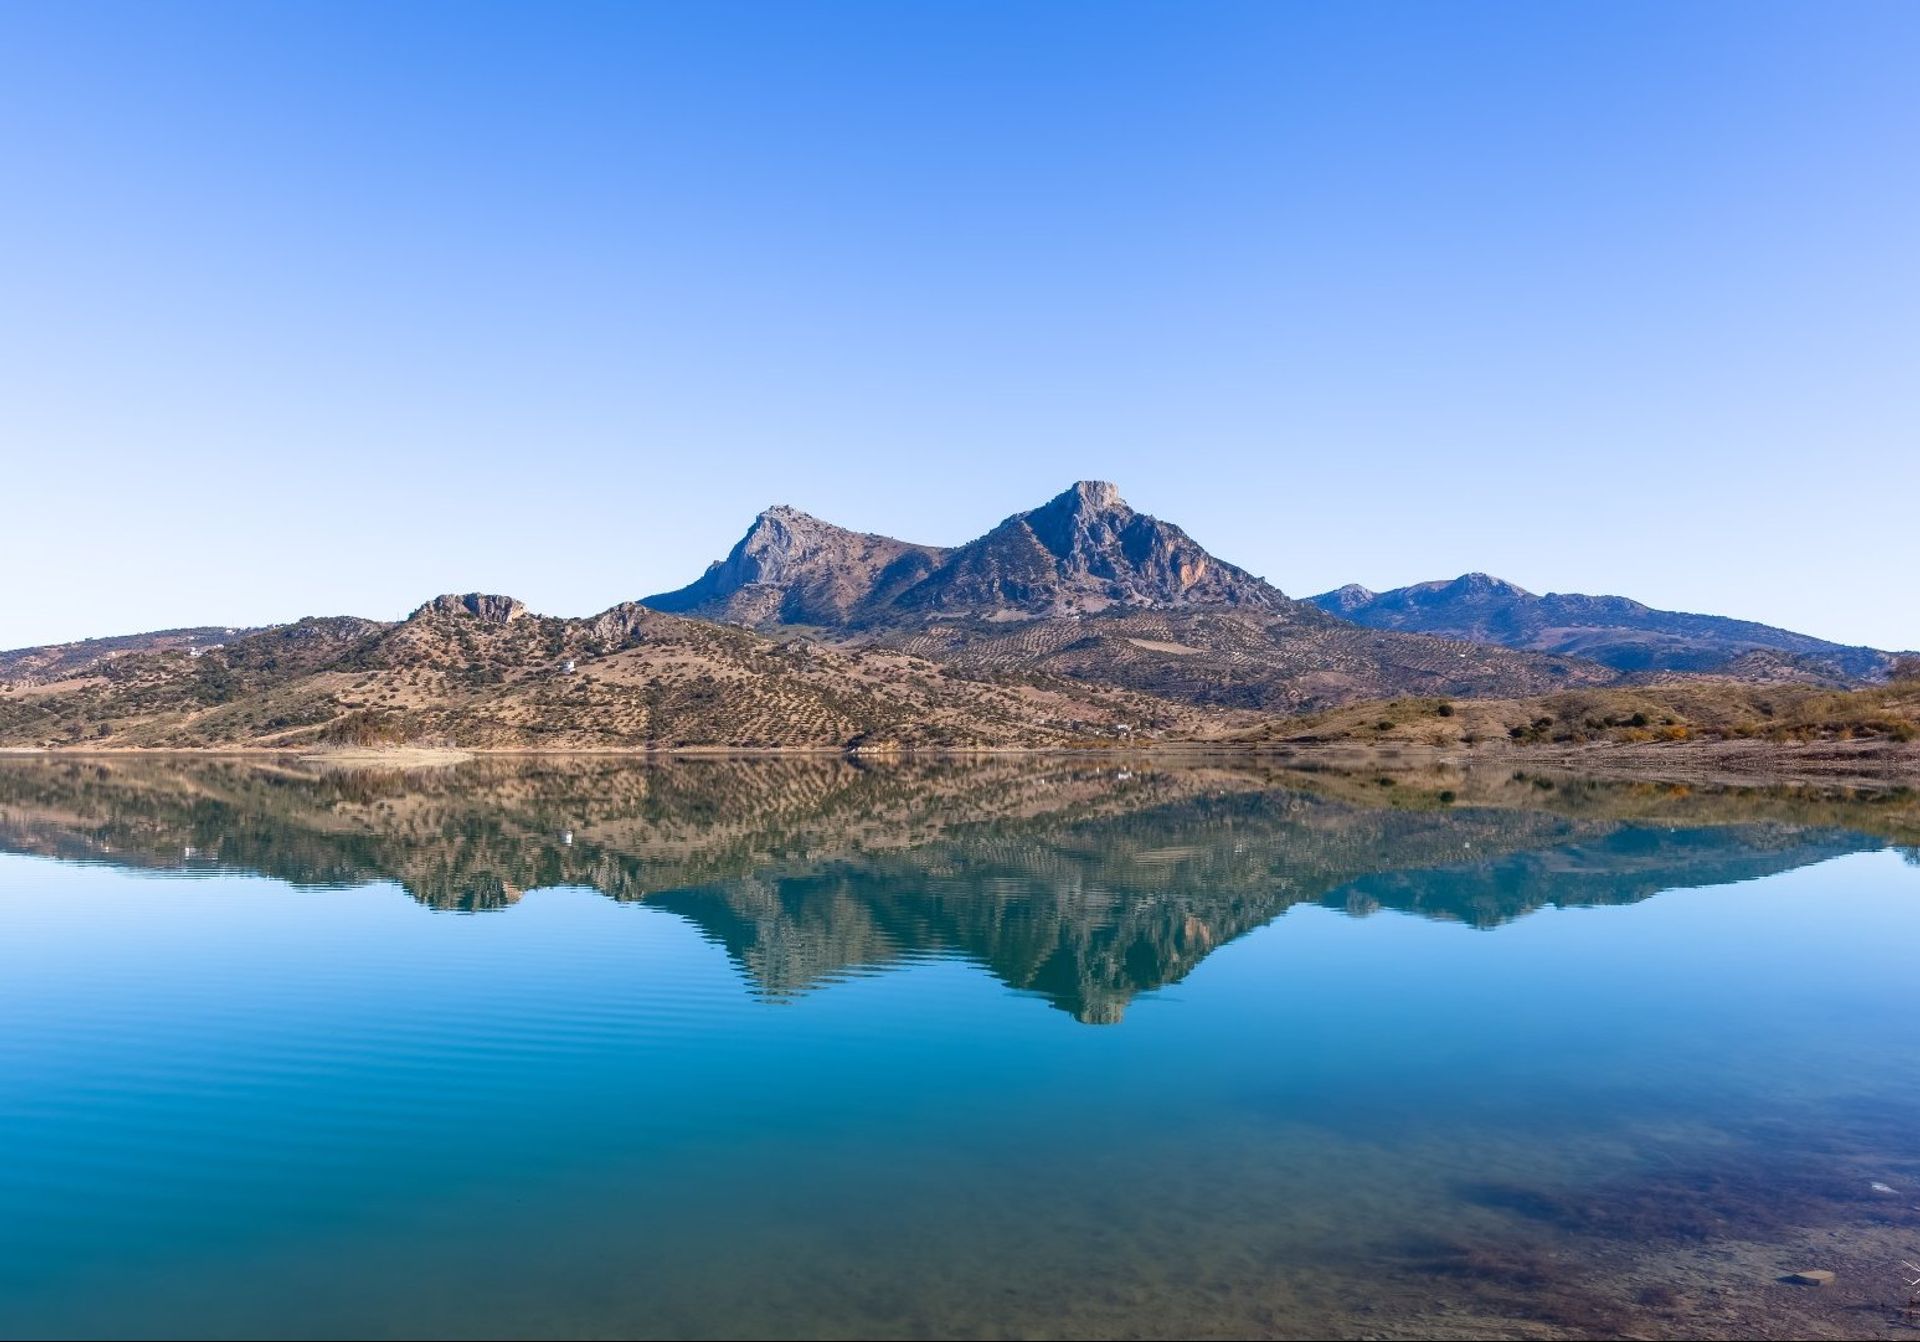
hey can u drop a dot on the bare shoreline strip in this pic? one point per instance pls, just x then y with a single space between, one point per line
1866 763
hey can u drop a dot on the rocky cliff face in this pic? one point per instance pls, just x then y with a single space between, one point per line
1613 630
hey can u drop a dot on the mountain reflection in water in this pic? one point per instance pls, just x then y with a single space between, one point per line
1083 882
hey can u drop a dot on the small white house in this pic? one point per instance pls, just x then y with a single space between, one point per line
566 667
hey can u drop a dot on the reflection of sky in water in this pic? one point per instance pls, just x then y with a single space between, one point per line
228 1104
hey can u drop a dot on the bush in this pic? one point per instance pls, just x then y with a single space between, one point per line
366 728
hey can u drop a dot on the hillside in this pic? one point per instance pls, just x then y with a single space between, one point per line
1611 630
1703 726
482 671
1283 661
61 661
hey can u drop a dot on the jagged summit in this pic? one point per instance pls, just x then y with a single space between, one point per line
793 568
1083 551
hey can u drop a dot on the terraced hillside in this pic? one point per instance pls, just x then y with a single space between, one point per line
481 671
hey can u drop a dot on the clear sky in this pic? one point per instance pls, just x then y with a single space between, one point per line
326 308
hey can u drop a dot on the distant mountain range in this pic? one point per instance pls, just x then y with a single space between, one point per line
1611 630
1078 620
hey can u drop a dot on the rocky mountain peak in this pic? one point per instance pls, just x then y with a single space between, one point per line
1485 584
482 605
1346 600
1099 495
780 537
793 568
1082 551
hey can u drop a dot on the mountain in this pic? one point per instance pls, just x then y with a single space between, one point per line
60 661
1612 630
483 671
1087 588
792 569
1081 552
1078 621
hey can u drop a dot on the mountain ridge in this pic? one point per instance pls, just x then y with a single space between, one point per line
1077 621
1619 632
1087 587
1083 551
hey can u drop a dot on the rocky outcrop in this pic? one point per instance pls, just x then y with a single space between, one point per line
483 606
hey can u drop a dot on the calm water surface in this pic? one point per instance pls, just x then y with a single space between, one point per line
584 1048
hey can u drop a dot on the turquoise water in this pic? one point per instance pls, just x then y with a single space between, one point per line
590 1049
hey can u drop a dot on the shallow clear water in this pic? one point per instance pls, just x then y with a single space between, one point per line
582 1048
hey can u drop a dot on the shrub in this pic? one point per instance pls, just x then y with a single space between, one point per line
366 728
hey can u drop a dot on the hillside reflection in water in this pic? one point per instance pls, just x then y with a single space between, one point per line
584 1046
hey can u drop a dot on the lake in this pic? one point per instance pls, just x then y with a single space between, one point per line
1017 1048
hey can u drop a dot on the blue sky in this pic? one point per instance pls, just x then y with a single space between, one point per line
308 309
